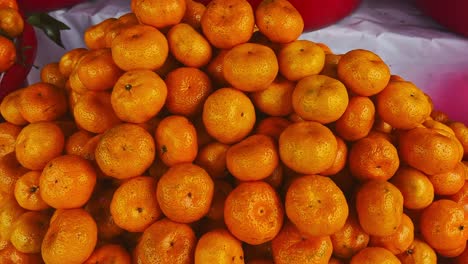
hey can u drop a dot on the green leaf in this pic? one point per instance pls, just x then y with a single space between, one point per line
49 25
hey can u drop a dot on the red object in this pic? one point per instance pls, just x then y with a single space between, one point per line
26 45
15 77
449 13
317 13
32 6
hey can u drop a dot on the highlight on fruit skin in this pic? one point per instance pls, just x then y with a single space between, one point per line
162 142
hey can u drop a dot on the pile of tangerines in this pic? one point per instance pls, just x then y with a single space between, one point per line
11 26
186 133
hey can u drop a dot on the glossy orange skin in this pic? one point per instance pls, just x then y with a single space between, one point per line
379 206
253 212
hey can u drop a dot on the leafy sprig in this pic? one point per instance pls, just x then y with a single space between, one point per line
49 25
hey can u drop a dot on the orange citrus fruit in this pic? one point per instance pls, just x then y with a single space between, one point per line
299 59
379 206
70 238
67 182
140 47
250 67
291 246
176 140
316 205
374 255
227 23
125 151
134 206
187 90
402 105
253 212
7 53
363 72
228 115
166 241
253 158
279 21
189 46
218 246
38 143
159 14
185 193
138 96
320 98
307 147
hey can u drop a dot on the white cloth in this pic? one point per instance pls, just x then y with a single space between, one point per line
414 46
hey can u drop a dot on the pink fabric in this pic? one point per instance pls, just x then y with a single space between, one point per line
450 13
30 6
